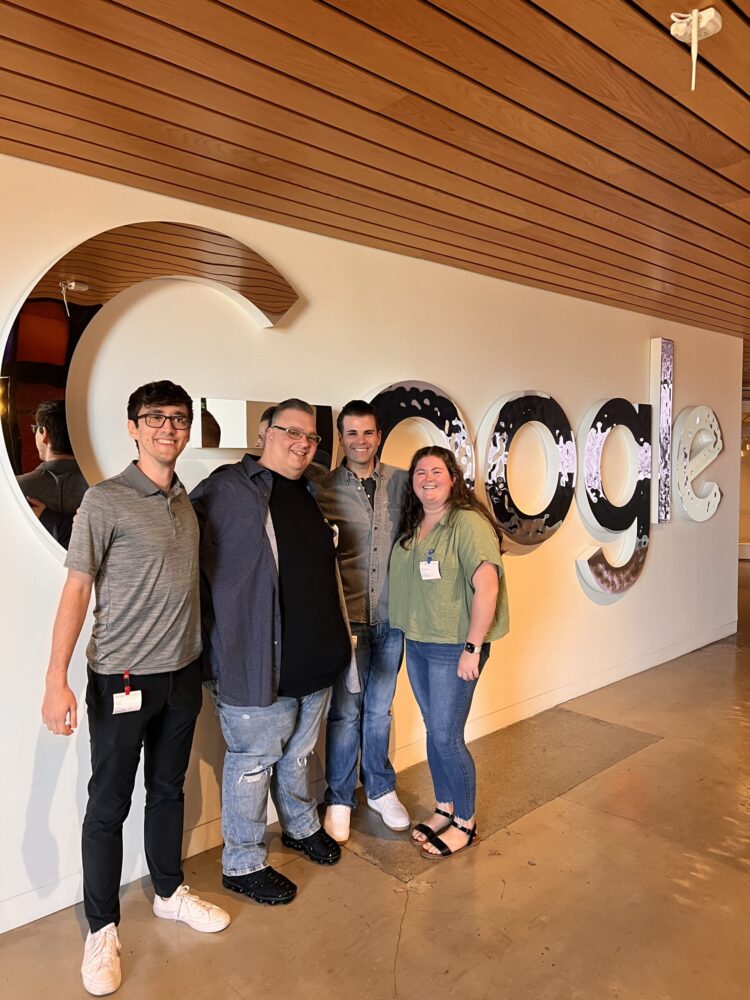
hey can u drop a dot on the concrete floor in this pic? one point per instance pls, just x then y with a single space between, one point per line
614 865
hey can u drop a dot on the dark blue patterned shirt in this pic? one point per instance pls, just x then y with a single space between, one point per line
240 612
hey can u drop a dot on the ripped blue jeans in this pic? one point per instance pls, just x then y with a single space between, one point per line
267 751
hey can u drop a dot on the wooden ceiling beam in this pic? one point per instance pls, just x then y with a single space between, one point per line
265 173
728 51
473 57
564 55
302 203
186 51
490 135
574 212
451 211
650 51
454 109
51 157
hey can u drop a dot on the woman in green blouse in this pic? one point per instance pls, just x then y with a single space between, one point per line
448 596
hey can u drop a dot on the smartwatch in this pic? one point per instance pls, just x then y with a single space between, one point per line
470 647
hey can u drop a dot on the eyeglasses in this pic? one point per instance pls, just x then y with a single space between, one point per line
36 427
296 434
178 421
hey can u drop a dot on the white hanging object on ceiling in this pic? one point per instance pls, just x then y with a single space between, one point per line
71 286
693 28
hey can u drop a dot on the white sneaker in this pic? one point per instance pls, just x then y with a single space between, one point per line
392 811
101 961
336 823
191 910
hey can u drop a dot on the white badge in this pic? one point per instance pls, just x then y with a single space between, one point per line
430 570
122 702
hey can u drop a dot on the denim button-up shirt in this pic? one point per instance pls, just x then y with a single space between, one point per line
366 535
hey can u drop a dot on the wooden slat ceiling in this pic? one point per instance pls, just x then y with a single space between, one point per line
555 143
113 261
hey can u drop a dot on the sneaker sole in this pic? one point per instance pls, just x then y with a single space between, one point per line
396 829
259 899
99 991
318 861
204 928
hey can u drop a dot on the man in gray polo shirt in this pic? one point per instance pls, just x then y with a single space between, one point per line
363 497
135 541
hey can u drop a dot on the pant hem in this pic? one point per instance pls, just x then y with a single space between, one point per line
245 871
302 836
380 795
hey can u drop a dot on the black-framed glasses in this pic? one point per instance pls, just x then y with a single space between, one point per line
36 427
296 434
179 421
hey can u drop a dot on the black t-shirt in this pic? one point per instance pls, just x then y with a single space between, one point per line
315 644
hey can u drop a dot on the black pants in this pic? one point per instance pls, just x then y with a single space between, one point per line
164 727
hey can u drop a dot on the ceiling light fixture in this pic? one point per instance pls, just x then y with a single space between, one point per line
71 286
693 28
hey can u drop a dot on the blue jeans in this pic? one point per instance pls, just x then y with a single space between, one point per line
444 700
267 750
362 722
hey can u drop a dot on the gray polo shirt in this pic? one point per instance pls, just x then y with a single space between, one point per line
366 535
141 546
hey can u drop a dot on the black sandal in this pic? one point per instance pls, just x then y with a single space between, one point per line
445 851
428 832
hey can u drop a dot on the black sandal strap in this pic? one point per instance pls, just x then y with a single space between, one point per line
442 812
427 831
470 832
441 846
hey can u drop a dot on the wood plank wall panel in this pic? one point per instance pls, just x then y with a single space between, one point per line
548 143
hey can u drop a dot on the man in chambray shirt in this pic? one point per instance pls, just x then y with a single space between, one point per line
363 497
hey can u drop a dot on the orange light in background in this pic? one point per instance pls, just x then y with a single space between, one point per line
43 333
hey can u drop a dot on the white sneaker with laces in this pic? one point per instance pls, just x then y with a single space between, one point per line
392 811
184 905
336 822
101 961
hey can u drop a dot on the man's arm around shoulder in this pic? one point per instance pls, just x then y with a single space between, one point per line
59 708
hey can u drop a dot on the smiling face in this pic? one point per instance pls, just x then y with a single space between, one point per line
432 483
159 447
283 453
360 440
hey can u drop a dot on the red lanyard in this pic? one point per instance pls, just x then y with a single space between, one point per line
126 678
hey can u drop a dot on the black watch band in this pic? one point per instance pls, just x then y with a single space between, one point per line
470 647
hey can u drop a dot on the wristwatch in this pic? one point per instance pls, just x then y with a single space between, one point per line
470 647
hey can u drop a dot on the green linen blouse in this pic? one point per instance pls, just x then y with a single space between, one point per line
439 610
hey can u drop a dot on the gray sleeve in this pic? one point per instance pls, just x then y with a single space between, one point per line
93 531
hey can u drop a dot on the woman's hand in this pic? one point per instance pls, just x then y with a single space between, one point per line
468 666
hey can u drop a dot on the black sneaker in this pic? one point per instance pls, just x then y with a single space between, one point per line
265 886
318 847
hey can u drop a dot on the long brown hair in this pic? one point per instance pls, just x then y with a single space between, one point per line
460 497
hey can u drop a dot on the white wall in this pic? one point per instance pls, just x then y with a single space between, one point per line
366 318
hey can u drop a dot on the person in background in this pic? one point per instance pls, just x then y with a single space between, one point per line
448 596
363 497
54 489
135 541
263 424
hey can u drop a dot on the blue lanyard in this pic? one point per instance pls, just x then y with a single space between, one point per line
430 553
